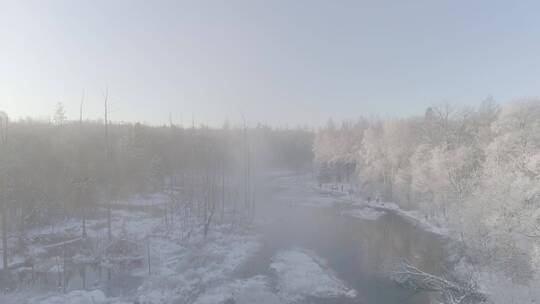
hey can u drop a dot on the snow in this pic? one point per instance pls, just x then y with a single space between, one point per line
364 213
414 216
185 272
295 275
312 195
74 297
203 270
301 273
302 190
181 268
248 291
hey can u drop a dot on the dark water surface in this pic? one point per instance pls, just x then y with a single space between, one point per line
357 250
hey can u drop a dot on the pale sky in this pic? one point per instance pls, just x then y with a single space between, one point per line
280 62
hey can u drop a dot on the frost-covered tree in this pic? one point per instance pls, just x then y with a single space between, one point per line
59 116
476 171
336 149
4 185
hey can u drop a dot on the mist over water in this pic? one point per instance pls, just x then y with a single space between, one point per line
239 152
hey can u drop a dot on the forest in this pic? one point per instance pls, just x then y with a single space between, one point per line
76 174
269 152
69 187
474 170
81 198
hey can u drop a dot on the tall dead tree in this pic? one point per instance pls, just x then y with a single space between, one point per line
223 185
81 172
247 191
4 124
169 210
211 203
108 167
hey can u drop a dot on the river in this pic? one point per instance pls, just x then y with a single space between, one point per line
293 213
358 250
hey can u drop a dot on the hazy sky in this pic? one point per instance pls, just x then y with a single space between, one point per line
282 62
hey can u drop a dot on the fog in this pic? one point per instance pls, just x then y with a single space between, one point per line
273 152
441 206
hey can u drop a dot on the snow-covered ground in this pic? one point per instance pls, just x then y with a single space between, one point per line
414 216
74 297
327 195
295 275
185 274
365 213
204 270
182 270
181 267
301 273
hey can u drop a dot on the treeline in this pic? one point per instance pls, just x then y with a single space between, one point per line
78 169
476 170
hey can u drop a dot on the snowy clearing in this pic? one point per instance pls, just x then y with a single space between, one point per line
302 274
76 297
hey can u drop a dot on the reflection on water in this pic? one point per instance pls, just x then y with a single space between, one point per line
357 250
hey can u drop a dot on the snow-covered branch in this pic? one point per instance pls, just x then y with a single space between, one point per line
451 292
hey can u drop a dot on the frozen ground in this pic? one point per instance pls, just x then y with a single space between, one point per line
73 297
365 213
182 264
295 276
300 274
184 267
202 270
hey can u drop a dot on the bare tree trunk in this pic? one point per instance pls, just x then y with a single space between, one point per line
64 275
4 124
83 207
222 189
212 200
148 257
108 180
247 203
4 237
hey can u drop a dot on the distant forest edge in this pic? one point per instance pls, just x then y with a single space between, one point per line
52 171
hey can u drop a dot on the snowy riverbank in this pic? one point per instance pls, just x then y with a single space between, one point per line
164 260
490 279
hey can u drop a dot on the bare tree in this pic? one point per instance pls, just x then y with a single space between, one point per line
108 160
59 116
211 203
4 125
247 178
83 181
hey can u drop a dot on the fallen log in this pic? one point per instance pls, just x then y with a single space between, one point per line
62 243
451 292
